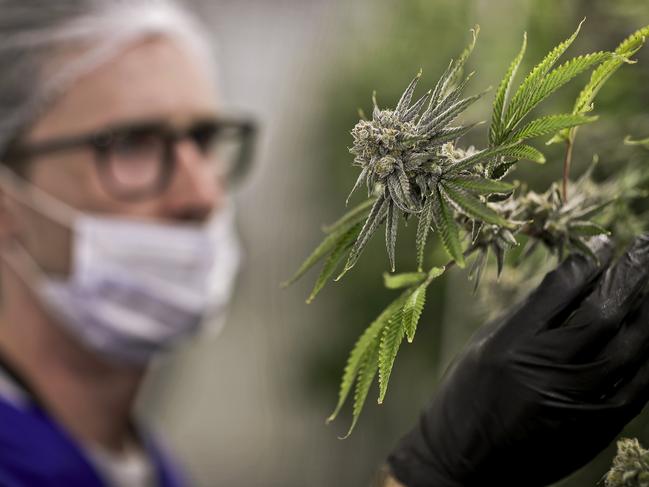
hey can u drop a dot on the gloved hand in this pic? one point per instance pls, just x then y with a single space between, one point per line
538 393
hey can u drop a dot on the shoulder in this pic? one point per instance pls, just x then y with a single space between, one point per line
34 451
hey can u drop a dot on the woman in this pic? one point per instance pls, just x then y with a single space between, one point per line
117 234
117 242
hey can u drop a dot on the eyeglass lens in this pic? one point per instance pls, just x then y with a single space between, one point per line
137 161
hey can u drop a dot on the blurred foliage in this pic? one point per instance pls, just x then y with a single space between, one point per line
385 44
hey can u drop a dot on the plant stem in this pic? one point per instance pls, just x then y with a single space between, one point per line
566 168
466 253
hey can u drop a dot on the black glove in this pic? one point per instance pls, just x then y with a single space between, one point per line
538 393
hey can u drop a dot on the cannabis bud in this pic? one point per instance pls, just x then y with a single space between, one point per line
410 165
400 151
630 465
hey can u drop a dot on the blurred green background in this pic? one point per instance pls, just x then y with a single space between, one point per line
258 396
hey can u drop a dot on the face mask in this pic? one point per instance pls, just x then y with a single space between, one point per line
136 287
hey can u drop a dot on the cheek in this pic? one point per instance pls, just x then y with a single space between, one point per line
71 178
47 241
42 227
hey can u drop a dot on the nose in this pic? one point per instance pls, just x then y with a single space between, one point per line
194 192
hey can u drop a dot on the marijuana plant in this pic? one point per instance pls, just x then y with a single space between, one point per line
413 168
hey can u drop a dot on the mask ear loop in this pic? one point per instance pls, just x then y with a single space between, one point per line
38 200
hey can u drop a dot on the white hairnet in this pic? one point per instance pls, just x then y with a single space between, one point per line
47 44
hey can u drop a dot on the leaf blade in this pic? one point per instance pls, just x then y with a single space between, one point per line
413 309
372 222
447 228
480 185
549 124
518 107
354 215
423 228
329 267
502 94
364 381
391 339
362 343
405 279
472 206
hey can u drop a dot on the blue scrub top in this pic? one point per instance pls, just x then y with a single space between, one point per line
36 452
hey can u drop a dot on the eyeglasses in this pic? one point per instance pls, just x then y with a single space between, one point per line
136 161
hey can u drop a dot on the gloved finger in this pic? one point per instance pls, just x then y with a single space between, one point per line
600 315
633 393
562 287
591 381
628 350
559 384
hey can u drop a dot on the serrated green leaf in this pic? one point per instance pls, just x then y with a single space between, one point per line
372 222
496 128
391 339
366 374
326 246
361 177
480 185
633 43
586 229
412 311
559 137
423 228
444 104
549 124
439 91
353 216
462 59
624 51
434 273
560 76
450 75
329 267
415 108
369 336
406 97
452 133
405 279
518 107
472 206
391 227
517 151
447 116
528 153
447 228
599 77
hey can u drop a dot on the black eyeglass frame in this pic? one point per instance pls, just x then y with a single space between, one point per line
101 141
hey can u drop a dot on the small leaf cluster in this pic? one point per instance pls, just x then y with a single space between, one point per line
546 219
377 347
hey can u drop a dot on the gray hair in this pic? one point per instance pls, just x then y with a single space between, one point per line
36 35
